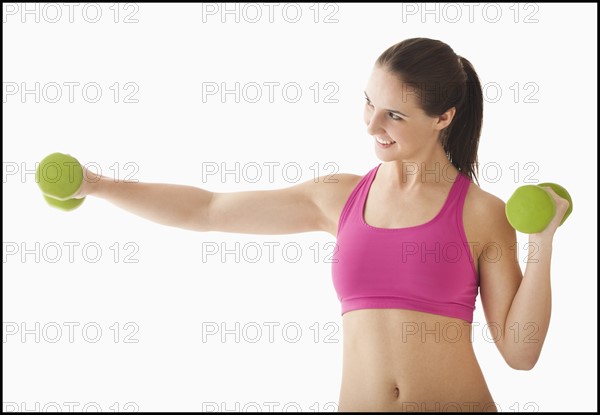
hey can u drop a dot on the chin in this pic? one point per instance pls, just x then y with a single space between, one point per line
385 155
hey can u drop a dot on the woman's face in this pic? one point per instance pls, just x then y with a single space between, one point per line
392 113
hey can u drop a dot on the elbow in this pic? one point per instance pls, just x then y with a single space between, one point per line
521 366
522 363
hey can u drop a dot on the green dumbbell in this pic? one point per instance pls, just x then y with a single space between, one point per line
531 208
59 176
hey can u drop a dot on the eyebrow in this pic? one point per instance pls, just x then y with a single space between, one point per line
394 111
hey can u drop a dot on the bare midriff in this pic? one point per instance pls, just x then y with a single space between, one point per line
404 360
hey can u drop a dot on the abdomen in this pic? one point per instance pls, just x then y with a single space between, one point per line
403 360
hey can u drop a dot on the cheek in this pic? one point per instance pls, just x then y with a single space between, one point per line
399 131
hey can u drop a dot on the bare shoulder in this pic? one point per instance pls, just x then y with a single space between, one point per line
483 204
483 215
330 194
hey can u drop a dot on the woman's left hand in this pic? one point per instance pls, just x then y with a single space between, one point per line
562 205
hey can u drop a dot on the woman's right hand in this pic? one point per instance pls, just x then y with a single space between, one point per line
90 180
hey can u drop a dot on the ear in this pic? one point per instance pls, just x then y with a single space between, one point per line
445 119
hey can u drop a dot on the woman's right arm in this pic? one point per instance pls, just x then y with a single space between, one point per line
295 209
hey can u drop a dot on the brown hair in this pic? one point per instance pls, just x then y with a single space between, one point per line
440 79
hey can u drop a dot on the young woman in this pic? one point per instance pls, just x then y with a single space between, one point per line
416 240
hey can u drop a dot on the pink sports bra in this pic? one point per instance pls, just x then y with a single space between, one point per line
426 267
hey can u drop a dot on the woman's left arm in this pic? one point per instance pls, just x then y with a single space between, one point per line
518 308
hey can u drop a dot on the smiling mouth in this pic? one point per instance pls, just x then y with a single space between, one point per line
384 142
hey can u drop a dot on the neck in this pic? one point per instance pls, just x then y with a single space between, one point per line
409 175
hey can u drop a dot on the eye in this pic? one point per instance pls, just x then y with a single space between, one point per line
392 115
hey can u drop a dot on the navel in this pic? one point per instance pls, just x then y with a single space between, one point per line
397 393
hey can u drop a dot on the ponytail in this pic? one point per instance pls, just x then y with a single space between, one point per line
461 138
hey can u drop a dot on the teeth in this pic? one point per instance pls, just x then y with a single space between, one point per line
384 142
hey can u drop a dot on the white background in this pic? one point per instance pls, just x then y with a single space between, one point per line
169 296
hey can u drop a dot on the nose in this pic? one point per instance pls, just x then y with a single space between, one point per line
374 124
